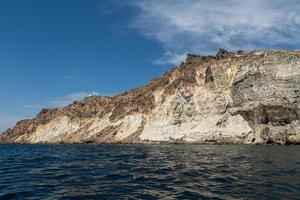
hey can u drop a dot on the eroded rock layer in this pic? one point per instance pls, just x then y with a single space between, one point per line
239 98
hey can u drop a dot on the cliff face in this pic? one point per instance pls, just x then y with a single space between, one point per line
240 98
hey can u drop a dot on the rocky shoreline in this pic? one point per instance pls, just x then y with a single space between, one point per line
231 98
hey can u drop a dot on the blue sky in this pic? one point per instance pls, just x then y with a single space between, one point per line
55 51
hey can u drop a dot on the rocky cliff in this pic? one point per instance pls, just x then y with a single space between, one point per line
240 98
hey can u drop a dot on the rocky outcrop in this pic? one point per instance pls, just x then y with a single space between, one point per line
231 98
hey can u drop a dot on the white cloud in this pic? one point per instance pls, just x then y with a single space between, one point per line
202 26
33 106
7 121
170 57
68 77
60 101
63 101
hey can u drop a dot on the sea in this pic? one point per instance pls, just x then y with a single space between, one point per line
122 171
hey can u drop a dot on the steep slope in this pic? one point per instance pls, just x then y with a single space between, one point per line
240 98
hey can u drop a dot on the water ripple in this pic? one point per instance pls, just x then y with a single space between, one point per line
149 172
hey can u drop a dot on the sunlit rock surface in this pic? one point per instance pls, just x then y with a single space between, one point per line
238 98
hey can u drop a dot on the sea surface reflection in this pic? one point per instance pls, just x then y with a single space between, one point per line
149 172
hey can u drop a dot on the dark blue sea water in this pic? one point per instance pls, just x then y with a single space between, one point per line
149 172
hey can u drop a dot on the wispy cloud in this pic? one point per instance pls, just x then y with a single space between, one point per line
171 57
68 77
203 26
7 121
33 106
60 101
63 101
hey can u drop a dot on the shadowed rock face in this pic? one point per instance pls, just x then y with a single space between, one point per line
239 98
